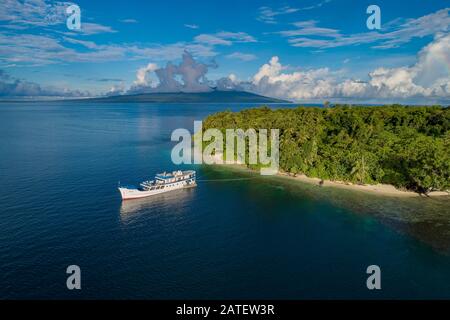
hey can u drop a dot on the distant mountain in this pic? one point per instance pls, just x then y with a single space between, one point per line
184 97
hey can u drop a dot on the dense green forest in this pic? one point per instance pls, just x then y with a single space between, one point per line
406 146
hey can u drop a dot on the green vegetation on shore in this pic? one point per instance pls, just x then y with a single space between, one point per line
406 146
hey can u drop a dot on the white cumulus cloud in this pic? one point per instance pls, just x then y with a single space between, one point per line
428 78
141 74
188 76
242 56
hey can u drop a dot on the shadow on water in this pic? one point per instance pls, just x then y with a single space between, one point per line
425 219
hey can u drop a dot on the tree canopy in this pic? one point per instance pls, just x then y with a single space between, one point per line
406 146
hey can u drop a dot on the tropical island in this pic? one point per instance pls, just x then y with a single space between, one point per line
403 146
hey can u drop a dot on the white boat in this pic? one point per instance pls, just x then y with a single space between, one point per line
163 182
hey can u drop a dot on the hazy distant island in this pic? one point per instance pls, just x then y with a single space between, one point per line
215 96
370 148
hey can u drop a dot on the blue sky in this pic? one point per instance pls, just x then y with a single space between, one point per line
317 44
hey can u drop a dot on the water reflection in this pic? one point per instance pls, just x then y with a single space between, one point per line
173 202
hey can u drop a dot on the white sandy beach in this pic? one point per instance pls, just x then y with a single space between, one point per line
381 189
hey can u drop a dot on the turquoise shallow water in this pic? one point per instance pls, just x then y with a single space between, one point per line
259 237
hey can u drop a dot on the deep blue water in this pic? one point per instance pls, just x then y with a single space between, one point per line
260 237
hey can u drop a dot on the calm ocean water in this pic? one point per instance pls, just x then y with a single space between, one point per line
259 237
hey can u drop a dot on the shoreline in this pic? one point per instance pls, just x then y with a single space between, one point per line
380 189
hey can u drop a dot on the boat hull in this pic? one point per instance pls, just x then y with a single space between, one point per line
130 194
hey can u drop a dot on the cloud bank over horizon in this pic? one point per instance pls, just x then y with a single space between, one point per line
188 76
428 78
13 87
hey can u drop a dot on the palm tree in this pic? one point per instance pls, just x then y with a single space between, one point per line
359 170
